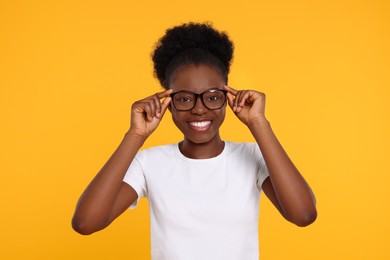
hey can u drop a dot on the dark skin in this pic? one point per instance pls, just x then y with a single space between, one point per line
198 143
107 196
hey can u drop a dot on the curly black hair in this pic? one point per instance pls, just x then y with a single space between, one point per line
191 43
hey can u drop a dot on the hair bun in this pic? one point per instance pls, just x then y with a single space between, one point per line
187 36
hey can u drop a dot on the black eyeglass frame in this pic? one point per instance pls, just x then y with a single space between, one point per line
172 95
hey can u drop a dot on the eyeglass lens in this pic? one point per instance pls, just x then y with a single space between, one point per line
212 99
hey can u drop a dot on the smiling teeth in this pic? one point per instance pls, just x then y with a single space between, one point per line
200 124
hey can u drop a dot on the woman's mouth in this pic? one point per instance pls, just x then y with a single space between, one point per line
200 125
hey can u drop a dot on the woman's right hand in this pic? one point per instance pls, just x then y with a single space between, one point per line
107 196
147 113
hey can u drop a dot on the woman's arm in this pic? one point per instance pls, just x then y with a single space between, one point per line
286 184
285 187
107 196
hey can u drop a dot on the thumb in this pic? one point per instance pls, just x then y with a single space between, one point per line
230 100
164 105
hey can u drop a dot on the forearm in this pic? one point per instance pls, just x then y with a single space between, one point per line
95 204
294 196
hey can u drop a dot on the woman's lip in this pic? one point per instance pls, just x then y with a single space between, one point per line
200 125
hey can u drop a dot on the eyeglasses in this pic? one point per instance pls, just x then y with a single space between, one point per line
212 99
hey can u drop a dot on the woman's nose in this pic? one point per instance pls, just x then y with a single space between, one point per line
199 107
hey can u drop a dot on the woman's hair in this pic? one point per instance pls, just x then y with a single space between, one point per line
191 44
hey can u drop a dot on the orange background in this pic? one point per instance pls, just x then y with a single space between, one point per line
70 71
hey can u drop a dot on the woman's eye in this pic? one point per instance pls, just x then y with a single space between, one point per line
184 99
213 98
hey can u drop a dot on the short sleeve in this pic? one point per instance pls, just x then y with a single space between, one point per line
262 170
135 178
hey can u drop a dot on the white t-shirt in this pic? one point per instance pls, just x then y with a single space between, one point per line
201 209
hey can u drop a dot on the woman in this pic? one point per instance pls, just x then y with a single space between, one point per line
203 192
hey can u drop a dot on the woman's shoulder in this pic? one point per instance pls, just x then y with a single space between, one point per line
159 150
239 146
244 148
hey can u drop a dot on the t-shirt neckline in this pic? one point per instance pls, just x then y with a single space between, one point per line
212 159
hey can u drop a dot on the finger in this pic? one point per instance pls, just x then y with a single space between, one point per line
164 94
239 97
148 111
240 100
158 96
157 105
245 99
152 109
230 99
230 90
164 105
154 106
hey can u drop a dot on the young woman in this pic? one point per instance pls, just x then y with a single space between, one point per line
203 192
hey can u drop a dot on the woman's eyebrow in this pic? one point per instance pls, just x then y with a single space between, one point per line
193 92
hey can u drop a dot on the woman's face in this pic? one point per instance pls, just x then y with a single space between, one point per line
199 125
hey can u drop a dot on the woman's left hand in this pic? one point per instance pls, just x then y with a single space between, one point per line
248 105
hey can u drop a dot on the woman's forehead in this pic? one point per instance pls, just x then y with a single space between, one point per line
196 78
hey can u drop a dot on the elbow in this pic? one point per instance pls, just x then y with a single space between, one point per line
306 218
303 218
82 227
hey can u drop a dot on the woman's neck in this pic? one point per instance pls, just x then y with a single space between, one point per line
202 151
